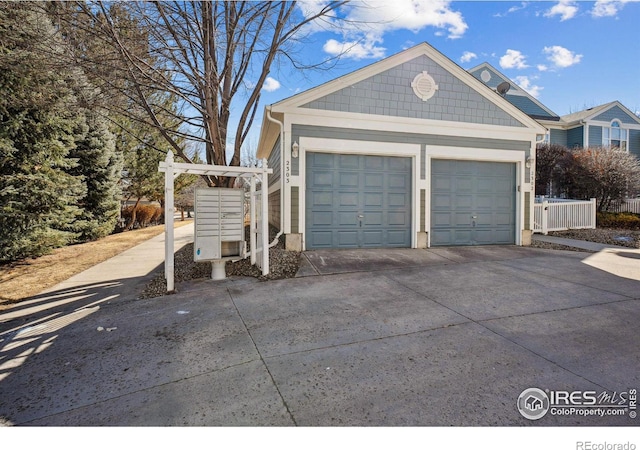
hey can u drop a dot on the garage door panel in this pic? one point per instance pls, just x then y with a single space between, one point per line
348 219
349 180
322 160
461 237
347 239
503 220
397 200
322 179
440 201
373 181
398 181
378 188
398 238
462 201
462 220
372 238
374 162
472 202
374 219
321 239
398 219
322 218
348 199
319 199
349 161
373 199
463 185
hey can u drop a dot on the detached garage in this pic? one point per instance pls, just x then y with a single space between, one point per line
411 151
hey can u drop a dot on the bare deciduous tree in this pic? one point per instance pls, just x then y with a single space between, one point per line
213 56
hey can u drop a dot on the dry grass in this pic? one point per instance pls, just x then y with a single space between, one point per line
29 277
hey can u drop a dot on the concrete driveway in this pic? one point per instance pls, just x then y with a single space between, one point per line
448 336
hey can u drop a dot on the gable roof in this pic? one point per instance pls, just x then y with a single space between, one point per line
392 61
516 95
592 113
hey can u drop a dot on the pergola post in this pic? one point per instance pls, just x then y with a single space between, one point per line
265 218
168 223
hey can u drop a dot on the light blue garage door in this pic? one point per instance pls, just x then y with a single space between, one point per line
357 201
472 202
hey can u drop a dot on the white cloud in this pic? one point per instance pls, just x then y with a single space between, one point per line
526 84
354 49
513 59
566 9
366 23
467 56
542 67
513 9
561 57
271 84
608 8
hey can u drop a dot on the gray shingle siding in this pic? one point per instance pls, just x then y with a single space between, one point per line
634 142
595 136
390 94
575 137
615 113
274 163
558 137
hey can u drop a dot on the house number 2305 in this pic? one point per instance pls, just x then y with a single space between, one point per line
287 172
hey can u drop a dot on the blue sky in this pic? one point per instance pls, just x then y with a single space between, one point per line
571 55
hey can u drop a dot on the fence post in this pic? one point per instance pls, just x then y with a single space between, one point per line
594 207
545 214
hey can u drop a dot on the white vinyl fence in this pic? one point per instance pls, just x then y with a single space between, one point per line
627 205
554 214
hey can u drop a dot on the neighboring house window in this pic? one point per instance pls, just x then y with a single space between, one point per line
614 136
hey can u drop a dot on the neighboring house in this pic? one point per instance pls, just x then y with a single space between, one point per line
608 125
411 151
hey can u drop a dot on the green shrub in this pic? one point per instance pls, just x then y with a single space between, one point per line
625 220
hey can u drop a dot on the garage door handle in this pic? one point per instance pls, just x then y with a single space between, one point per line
360 216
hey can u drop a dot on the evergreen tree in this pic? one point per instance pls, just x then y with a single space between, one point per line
38 194
99 166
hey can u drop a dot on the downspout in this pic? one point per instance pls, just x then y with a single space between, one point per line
266 188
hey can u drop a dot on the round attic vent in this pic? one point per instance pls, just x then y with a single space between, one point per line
485 76
424 86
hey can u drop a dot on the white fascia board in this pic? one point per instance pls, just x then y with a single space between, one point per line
269 133
339 119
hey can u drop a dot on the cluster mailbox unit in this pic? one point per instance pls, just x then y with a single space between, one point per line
219 227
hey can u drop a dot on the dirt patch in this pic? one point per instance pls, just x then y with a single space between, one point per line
23 279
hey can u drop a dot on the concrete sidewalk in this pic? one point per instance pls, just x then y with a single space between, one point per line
121 277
